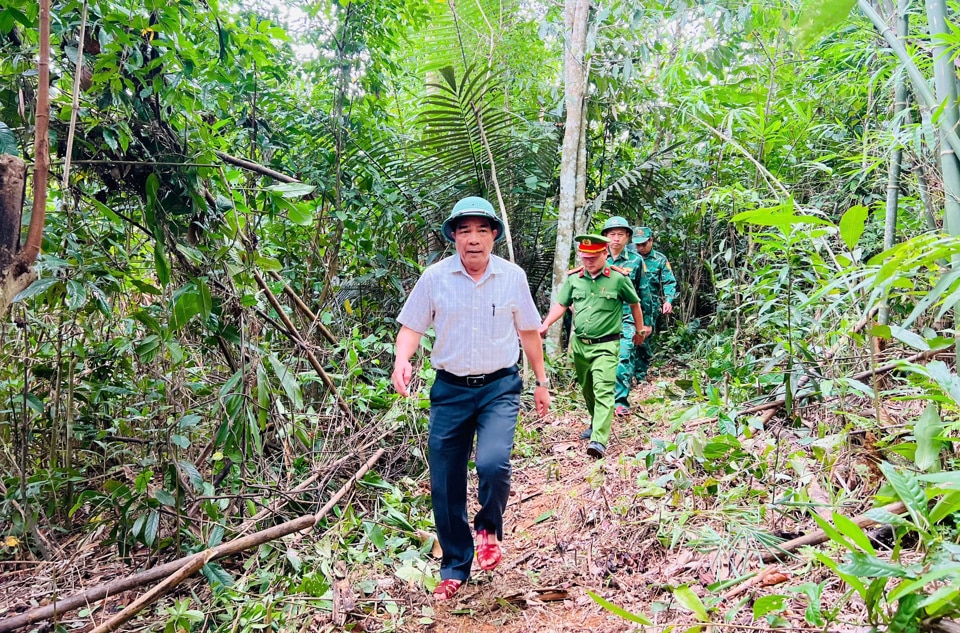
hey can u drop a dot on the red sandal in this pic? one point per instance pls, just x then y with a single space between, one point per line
488 554
446 589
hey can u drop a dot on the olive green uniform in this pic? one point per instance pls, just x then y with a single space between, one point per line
597 315
634 265
663 287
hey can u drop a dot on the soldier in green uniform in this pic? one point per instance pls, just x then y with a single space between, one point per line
620 233
663 286
597 293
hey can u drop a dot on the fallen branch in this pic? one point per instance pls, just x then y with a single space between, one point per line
819 536
59 607
255 167
190 568
295 337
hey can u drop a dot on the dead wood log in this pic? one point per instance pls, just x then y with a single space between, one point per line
819 536
229 548
295 336
307 312
257 168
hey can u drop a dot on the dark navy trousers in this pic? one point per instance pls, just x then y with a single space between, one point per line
457 415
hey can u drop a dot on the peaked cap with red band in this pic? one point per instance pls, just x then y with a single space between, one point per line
591 244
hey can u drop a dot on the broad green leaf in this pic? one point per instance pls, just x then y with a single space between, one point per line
768 604
852 530
946 379
160 261
76 295
147 348
926 431
853 221
832 532
267 264
375 534
905 620
165 498
8 142
36 288
639 618
151 528
910 492
217 575
291 190
853 581
691 602
865 565
949 504
185 306
917 584
909 338
885 517
288 380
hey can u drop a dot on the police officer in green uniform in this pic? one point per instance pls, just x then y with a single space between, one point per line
597 293
620 233
663 286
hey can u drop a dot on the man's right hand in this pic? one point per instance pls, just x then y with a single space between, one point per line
402 373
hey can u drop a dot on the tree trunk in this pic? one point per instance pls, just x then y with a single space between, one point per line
896 156
945 82
577 12
13 178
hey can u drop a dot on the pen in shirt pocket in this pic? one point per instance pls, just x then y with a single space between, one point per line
493 309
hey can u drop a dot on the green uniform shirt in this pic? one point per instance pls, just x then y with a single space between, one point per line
637 272
663 284
597 302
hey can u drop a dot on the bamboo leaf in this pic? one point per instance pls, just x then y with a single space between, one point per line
832 532
626 615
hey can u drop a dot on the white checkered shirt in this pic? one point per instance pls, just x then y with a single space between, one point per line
476 322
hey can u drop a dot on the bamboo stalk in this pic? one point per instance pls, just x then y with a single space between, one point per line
295 337
304 308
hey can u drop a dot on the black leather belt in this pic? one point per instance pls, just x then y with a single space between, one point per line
603 339
475 381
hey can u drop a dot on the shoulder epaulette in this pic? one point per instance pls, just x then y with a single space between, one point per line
622 271
574 271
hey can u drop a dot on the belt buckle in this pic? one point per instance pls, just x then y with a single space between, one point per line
475 381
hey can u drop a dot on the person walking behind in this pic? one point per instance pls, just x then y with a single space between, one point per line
478 304
597 293
663 286
619 232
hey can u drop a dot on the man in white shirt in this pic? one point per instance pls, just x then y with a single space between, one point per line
479 306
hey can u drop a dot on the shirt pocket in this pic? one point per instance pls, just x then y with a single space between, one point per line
500 321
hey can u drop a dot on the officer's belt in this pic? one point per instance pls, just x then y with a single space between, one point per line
595 341
477 380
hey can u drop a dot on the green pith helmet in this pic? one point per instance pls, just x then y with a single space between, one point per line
617 222
473 206
642 234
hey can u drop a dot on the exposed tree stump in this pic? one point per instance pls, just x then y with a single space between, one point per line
13 178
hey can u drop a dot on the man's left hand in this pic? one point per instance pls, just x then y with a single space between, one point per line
667 308
541 400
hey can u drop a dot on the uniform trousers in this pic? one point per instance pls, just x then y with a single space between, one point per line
625 365
596 368
458 413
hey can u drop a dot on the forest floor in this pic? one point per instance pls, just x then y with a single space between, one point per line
646 528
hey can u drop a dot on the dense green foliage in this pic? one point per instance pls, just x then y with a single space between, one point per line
149 385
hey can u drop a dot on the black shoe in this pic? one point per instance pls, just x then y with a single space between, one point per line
586 433
596 449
